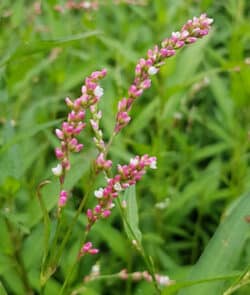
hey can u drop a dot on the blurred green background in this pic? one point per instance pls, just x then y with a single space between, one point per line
195 118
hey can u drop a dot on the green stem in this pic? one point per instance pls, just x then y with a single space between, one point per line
71 269
17 257
84 200
243 282
109 143
46 228
65 284
147 259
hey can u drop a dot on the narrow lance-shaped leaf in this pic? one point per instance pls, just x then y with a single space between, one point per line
131 213
223 251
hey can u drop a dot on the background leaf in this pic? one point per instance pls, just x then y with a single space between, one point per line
224 250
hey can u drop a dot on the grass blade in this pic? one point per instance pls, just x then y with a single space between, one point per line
223 251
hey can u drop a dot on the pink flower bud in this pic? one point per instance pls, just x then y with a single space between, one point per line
80 115
98 209
72 116
86 247
78 147
69 102
59 154
94 124
59 133
63 198
93 251
138 69
146 83
104 72
191 39
89 214
106 213
167 52
66 164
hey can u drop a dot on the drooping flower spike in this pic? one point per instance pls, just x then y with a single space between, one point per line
74 125
194 29
127 175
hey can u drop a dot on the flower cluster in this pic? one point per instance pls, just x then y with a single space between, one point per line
87 248
132 2
126 176
91 5
91 93
73 5
145 68
162 280
144 275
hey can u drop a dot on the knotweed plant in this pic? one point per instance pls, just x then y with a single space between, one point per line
118 178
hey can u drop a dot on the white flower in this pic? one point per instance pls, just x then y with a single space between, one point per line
124 204
152 70
86 5
117 187
98 91
134 162
163 280
98 115
111 206
95 269
184 34
153 165
163 205
99 193
176 35
57 171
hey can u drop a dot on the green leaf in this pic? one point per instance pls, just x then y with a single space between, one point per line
2 289
26 134
131 213
26 48
115 240
143 119
172 289
223 251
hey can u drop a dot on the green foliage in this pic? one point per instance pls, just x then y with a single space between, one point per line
194 119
